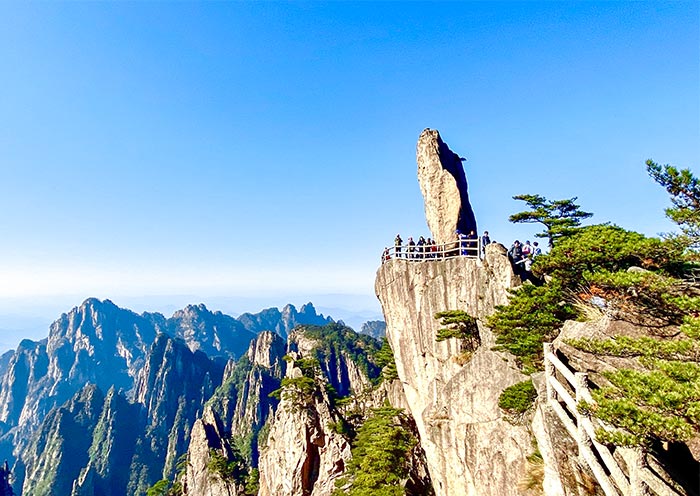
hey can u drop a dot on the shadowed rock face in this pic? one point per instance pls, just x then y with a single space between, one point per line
444 187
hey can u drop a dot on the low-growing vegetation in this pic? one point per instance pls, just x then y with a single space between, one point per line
650 282
518 398
533 316
459 325
233 471
379 456
387 363
337 338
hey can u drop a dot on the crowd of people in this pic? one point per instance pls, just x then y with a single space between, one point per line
464 244
520 254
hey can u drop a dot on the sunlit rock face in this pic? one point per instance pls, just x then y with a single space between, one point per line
207 435
444 186
470 447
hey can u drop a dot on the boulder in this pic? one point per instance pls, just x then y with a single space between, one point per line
444 187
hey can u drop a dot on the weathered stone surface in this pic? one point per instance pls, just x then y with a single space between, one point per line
470 448
207 434
444 186
303 455
563 474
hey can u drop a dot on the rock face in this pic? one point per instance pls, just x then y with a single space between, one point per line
112 447
156 389
470 447
444 186
60 449
207 434
305 449
235 414
303 455
374 328
106 445
172 390
96 343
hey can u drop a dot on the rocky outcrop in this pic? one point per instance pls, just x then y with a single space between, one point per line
253 402
444 186
303 455
112 448
157 389
207 434
96 343
5 361
374 328
237 411
172 390
470 447
337 362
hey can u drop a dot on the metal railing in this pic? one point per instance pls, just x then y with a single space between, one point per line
563 398
470 248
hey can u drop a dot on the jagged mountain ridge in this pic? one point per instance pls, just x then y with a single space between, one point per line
99 343
302 447
281 322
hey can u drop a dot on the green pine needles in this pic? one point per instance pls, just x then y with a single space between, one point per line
385 360
559 217
458 324
233 471
651 282
661 400
533 316
518 398
462 326
379 456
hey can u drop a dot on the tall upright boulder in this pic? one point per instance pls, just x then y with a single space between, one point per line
444 186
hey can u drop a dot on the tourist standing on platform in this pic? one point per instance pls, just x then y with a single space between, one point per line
397 246
421 247
485 240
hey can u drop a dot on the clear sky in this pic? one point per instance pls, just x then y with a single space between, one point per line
238 153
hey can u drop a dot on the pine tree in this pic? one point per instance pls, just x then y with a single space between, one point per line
379 456
684 189
559 217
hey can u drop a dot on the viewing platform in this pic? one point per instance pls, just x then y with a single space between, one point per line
469 248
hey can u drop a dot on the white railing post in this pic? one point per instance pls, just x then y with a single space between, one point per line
462 247
635 464
549 372
584 442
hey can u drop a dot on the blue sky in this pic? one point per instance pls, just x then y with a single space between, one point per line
244 153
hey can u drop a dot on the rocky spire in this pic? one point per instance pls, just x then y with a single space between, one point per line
444 187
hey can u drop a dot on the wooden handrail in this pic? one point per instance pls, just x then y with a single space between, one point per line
581 428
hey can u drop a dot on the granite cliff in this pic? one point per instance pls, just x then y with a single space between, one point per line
470 447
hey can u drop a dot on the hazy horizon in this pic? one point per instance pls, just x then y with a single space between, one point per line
30 317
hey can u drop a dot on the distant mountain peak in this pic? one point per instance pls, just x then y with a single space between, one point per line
308 309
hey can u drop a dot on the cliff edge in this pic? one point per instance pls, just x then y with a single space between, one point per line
470 447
